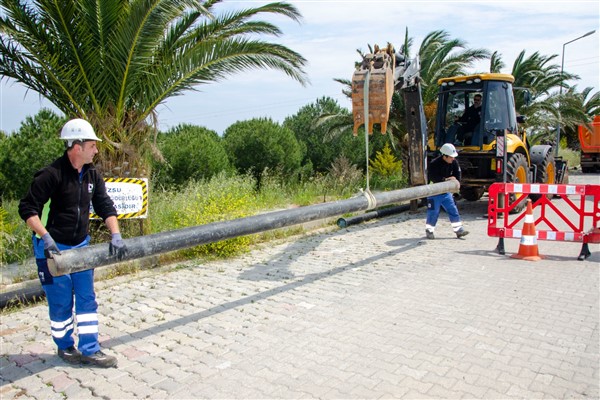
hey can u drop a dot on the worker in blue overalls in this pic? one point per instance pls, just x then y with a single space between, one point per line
57 207
444 168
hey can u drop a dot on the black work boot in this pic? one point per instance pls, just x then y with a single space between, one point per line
461 232
70 355
99 359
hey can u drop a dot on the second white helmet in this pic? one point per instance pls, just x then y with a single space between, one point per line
78 129
448 149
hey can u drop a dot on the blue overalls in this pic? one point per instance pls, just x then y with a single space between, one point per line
60 291
446 201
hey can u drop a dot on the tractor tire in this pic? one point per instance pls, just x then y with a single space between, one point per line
517 171
471 193
545 173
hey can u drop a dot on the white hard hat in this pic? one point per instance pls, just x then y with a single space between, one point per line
449 150
78 129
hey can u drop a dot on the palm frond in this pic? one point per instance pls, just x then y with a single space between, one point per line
115 61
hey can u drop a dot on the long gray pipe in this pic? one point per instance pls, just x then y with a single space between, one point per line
346 222
142 246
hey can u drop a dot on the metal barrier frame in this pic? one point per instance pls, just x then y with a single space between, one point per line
500 206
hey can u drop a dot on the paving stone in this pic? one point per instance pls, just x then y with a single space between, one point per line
370 311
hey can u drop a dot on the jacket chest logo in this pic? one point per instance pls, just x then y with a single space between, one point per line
90 188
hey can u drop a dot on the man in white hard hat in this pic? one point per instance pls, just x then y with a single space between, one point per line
57 209
443 168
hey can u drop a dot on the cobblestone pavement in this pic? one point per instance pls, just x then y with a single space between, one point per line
371 311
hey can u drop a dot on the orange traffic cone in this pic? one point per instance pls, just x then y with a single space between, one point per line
528 248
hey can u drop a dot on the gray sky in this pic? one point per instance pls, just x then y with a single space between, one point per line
329 35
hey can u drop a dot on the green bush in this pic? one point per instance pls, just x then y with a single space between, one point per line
260 144
190 153
36 144
321 147
276 190
344 177
386 171
385 163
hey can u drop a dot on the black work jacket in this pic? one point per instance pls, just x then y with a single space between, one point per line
70 194
471 118
439 170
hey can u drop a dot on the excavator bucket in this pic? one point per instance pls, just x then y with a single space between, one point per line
377 73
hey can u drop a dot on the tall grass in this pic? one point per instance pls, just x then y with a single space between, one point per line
15 236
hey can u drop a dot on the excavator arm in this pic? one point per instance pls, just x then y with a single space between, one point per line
373 84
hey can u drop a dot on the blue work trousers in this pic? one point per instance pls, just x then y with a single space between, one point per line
62 292
446 201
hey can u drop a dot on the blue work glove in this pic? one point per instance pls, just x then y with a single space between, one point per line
117 246
49 245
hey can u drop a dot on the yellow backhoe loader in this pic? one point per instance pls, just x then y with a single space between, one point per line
493 148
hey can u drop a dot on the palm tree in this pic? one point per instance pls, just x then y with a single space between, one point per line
496 63
538 75
578 108
114 61
442 57
547 109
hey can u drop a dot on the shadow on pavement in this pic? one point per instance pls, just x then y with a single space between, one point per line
28 364
307 279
